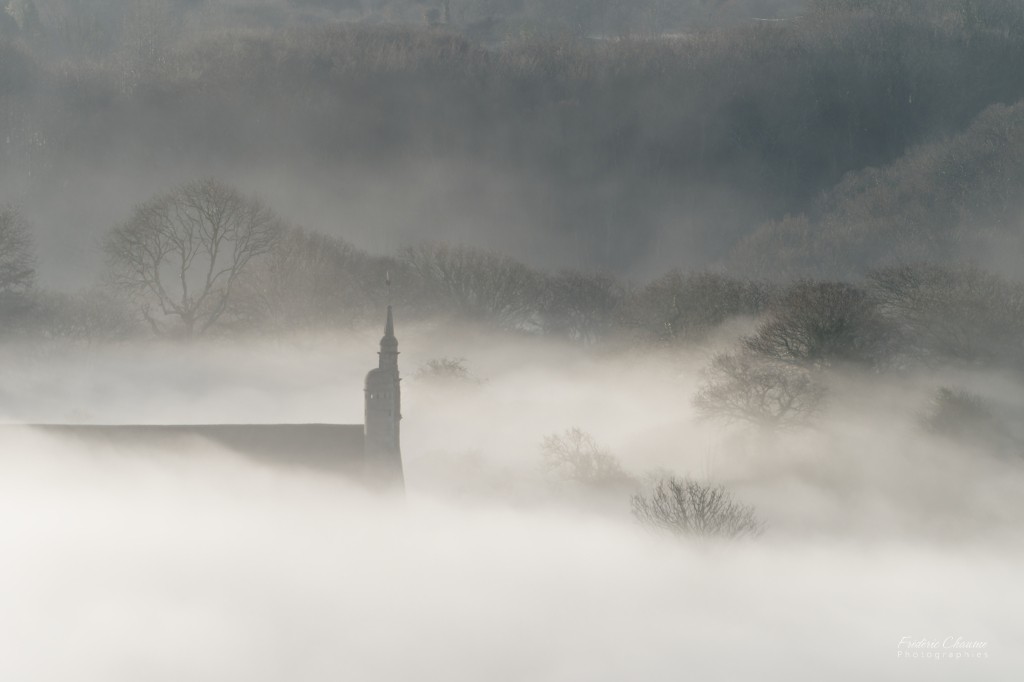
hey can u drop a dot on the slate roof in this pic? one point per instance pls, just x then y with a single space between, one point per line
329 447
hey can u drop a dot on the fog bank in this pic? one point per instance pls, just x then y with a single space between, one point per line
150 566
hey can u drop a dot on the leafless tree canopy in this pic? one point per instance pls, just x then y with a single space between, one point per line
822 323
183 252
952 313
445 370
307 280
681 307
17 261
580 306
745 387
576 456
687 508
476 285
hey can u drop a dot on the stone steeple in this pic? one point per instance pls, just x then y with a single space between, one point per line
384 412
389 345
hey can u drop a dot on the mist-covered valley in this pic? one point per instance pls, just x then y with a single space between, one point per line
194 562
709 318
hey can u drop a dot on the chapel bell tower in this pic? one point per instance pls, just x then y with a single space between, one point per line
384 412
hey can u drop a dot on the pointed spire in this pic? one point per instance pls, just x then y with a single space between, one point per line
389 345
389 326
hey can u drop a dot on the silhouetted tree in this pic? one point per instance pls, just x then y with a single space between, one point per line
308 279
681 307
184 251
821 323
580 306
476 285
576 456
687 508
445 370
953 313
751 388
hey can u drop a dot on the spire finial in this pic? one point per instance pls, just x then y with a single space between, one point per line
389 326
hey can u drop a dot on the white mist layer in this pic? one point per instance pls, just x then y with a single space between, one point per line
154 567
200 565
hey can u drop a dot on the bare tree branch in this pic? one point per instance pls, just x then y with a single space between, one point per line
687 508
746 387
184 250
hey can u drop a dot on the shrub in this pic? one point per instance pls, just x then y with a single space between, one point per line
687 508
446 370
576 456
971 419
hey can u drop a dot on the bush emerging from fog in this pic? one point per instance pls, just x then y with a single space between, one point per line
970 418
761 391
445 370
687 508
575 456
954 410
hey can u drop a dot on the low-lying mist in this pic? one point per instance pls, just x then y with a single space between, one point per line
599 219
202 565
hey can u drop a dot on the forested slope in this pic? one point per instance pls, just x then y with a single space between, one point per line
634 154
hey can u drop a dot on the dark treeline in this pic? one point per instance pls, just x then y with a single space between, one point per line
955 200
165 277
748 146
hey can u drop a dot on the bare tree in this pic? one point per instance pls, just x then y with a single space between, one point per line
745 387
580 306
576 456
17 260
821 323
477 285
307 279
687 508
953 313
681 307
183 252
